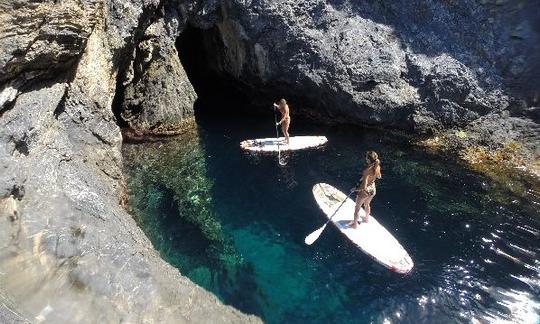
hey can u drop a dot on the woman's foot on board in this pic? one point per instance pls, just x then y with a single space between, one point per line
352 224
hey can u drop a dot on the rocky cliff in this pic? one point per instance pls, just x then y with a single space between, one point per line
420 66
70 252
73 72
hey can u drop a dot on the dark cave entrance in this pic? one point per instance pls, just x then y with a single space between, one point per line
200 51
203 56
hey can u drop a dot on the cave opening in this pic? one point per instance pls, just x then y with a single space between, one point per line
199 51
203 55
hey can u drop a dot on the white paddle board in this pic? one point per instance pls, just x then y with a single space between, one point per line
370 237
274 144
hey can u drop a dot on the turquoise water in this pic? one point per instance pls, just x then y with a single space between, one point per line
235 224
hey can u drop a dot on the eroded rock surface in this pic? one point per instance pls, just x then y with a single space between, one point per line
421 66
406 64
70 252
158 96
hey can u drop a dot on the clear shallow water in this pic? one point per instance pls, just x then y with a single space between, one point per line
235 224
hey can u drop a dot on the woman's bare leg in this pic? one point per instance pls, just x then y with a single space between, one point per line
367 207
285 130
359 201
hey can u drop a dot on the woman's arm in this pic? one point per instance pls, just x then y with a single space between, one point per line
284 115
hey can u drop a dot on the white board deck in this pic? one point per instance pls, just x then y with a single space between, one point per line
370 237
274 144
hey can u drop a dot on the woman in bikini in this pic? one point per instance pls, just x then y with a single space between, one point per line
366 190
285 121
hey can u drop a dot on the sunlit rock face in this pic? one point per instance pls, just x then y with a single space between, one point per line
44 37
70 251
425 67
158 96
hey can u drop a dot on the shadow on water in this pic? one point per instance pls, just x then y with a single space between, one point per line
235 224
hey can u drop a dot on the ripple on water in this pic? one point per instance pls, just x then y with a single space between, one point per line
236 226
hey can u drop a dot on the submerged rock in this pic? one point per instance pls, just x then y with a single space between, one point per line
171 198
175 167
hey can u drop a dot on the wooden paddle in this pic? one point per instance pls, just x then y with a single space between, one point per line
311 238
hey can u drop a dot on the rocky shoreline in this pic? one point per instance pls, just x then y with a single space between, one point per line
72 74
494 141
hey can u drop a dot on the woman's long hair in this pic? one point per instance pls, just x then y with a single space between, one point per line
373 158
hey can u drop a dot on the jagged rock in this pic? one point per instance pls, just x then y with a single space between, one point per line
497 130
84 257
421 66
8 94
158 97
71 252
43 37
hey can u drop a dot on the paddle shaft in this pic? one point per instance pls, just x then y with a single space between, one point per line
334 214
275 123
311 238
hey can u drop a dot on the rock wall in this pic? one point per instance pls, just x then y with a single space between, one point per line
428 67
70 252
158 96
423 66
155 96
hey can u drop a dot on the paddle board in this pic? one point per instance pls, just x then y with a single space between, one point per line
275 144
370 237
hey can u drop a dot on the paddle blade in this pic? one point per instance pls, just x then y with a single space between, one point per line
314 235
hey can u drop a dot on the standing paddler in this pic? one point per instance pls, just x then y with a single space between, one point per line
366 189
285 121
